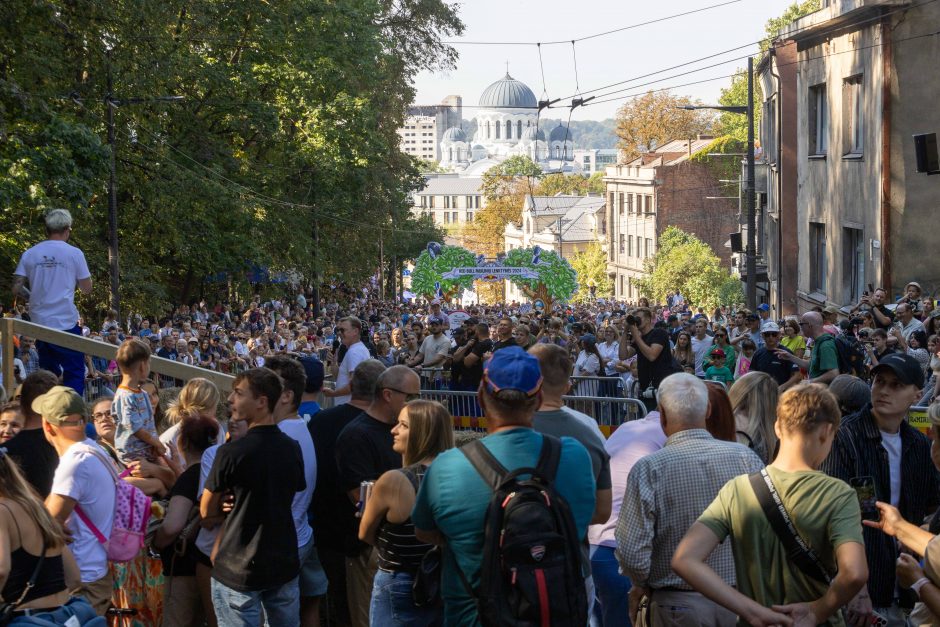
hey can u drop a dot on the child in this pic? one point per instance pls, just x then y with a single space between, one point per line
718 371
11 420
136 435
748 348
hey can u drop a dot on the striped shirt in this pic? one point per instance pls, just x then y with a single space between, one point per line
666 493
397 548
858 452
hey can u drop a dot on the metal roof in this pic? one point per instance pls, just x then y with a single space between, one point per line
452 186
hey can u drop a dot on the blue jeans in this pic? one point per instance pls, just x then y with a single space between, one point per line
77 607
611 606
60 360
234 608
393 606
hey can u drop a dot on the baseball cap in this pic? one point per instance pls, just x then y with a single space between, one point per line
314 371
915 284
588 338
770 327
753 316
763 307
512 368
906 367
60 402
852 392
435 320
720 354
472 320
831 309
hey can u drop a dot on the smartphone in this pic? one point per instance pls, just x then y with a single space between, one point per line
878 620
865 491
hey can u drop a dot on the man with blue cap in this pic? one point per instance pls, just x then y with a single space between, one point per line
451 504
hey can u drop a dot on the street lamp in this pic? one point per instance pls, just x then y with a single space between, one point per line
751 252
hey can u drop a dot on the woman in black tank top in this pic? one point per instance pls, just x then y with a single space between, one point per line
424 429
27 531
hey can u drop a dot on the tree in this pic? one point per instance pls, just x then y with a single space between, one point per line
653 119
427 275
557 280
575 184
686 263
591 267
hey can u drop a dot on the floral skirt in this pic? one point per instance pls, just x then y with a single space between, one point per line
138 585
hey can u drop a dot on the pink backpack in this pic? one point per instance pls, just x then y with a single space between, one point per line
131 514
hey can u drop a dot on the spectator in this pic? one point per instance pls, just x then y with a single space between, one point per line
792 340
830 316
199 397
176 535
720 342
27 531
363 452
701 344
878 442
876 348
719 420
136 437
932 386
314 371
823 364
751 332
53 269
912 297
770 590
256 565
383 352
658 509
435 348
882 317
588 364
763 310
740 326
683 352
909 324
29 356
504 337
424 430
453 499
785 373
717 370
82 480
35 456
350 332
654 359
852 393
410 349
11 420
914 345
754 402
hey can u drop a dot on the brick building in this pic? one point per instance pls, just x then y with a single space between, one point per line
656 190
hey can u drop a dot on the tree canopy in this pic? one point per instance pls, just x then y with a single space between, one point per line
591 267
557 279
282 153
686 263
653 119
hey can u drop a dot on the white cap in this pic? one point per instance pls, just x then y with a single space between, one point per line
770 327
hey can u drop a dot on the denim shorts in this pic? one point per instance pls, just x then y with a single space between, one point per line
313 581
393 605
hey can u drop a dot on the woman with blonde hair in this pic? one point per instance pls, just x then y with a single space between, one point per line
424 430
199 397
28 531
754 401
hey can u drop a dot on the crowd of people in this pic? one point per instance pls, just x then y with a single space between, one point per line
790 437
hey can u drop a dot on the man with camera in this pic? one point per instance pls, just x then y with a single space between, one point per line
874 301
654 357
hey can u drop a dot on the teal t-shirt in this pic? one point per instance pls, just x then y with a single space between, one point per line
453 500
719 374
825 356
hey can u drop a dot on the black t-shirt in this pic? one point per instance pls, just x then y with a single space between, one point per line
330 506
472 375
264 470
456 367
504 344
767 361
655 371
884 311
36 458
187 485
363 453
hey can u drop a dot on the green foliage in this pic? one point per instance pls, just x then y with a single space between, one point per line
428 271
284 152
557 279
687 264
591 266
793 12
574 184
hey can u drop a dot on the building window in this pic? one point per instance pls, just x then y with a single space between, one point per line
447 217
621 202
431 202
819 266
557 152
446 202
498 127
622 243
603 225
508 129
649 205
424 202
852 117
612 202
629 203
621 286
469 216
630 246
487 130
453 217
853 263
519 129
818 120
649 247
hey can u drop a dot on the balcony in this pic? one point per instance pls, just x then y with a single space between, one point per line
836 16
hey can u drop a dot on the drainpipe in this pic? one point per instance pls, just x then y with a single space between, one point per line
779 108
887 63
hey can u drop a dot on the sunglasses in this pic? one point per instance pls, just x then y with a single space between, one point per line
408 395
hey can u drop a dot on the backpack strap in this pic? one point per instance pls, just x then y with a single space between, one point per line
549 458
485 463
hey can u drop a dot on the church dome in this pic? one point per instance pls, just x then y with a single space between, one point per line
530 134
455 134
560 134
508 93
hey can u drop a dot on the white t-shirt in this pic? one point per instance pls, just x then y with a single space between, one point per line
171 437
82 476
892 444
610 352
296 428
53 268
700 348
355 355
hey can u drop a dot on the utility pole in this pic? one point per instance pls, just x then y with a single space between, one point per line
749 191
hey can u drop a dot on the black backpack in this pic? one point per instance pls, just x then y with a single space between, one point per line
851 356
531 572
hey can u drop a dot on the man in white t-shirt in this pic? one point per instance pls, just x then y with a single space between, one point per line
350 331
53 269
82 480
701 342
313 582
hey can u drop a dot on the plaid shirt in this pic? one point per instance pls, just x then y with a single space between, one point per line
666 492
857 452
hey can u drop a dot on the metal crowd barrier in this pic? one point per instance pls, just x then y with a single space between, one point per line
609 412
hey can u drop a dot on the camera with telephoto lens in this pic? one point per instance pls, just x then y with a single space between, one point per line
633 320
649 392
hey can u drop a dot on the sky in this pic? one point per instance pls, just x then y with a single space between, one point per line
604 60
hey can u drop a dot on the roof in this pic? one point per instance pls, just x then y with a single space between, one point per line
561 133
551 205
672 152
456 134
508 93
577 224
452 186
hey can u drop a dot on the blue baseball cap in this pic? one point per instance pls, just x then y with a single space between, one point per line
314 370
763 307
512 368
